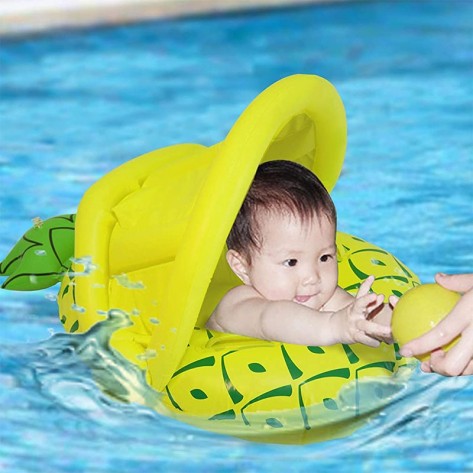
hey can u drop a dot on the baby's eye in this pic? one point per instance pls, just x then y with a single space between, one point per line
290 262
325 258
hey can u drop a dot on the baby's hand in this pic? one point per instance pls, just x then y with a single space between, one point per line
360 328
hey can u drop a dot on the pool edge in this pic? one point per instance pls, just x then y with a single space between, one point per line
23 17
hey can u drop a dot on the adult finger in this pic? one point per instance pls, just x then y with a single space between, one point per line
437 363
455 282
469 369
456 361
425 366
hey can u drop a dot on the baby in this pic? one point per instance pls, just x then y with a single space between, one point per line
282 247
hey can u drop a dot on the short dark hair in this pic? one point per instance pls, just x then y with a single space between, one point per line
279 186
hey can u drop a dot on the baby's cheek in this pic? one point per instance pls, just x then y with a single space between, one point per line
330 289
330 282
287 291
272 290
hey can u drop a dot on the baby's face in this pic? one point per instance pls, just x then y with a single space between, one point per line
296 262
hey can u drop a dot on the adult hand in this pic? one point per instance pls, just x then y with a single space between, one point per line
459 359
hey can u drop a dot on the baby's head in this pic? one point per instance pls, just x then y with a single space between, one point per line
283 240
279 188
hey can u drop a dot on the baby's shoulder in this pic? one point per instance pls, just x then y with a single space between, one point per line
239 294
224 316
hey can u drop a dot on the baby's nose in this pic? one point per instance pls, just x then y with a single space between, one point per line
312 278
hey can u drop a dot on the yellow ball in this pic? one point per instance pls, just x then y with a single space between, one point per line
419 310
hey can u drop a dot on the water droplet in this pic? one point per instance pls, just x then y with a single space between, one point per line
40 252
147 355
78 308
51 296
86 262
124 281
154 320
173 330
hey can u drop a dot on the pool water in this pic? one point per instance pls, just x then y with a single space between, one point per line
74 105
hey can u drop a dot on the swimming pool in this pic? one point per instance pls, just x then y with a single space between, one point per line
76 105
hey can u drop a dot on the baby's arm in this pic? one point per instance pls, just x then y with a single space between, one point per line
245 312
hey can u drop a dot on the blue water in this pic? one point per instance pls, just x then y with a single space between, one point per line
74 105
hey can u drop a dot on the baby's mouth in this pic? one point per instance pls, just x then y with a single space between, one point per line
302 299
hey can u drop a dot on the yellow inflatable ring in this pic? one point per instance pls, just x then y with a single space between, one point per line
154 230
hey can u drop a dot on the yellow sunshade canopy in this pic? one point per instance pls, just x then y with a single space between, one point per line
163 218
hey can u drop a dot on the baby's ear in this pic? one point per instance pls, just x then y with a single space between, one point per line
238 265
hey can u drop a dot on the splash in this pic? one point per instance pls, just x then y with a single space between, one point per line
112 373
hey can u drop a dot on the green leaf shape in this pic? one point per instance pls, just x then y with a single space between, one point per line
41 257
227 415
377 262
65 291
75 326
256 367
316 350
198 394
358 272
330 404
294 371
273 422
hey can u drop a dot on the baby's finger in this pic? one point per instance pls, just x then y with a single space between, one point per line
375 307
378 302
365 300
393 300
366 340
368 302
374 330
365 287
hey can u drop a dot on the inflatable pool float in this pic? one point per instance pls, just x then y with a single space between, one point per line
150 240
